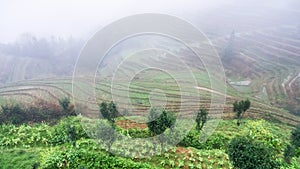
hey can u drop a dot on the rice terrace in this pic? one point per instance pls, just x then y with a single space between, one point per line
192 85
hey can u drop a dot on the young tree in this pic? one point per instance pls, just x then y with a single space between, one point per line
107 133
240 108
113 111
158 121
201 118
109 111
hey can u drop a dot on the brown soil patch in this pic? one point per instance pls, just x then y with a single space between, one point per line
182 150
127 124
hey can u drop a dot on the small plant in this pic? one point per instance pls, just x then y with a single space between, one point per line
201 118
240 108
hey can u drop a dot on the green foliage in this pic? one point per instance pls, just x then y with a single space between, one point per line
16 158
289 152
245 153
39 111
67 130
106 133
64 103
201 118
159 120
260 132
215 141
295 163
12 113
66 106
84 157
109 111
137 133
295 137
293 149
240 108
24 135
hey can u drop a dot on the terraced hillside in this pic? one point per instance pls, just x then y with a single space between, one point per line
53 89
269 59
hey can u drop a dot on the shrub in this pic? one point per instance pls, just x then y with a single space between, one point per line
259 131
66 106
245 153
38 111
83 157
215 141
68 129
293 148
12 113
158 121
295 137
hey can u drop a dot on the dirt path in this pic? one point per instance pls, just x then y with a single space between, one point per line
212 91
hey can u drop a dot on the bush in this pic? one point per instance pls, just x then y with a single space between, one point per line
38 111
159 120
12 113
215 141
295 137
292 149
259 131
84 157
244 153
67 130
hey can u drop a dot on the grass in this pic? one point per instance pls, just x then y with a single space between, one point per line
19 157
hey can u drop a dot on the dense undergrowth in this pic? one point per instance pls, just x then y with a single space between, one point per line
49 146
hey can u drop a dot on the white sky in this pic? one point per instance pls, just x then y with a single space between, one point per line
80 18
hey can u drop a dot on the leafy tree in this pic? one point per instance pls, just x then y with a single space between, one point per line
104 110
240 108
245 153
113 111
201 118
109 111
159 120
107 133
